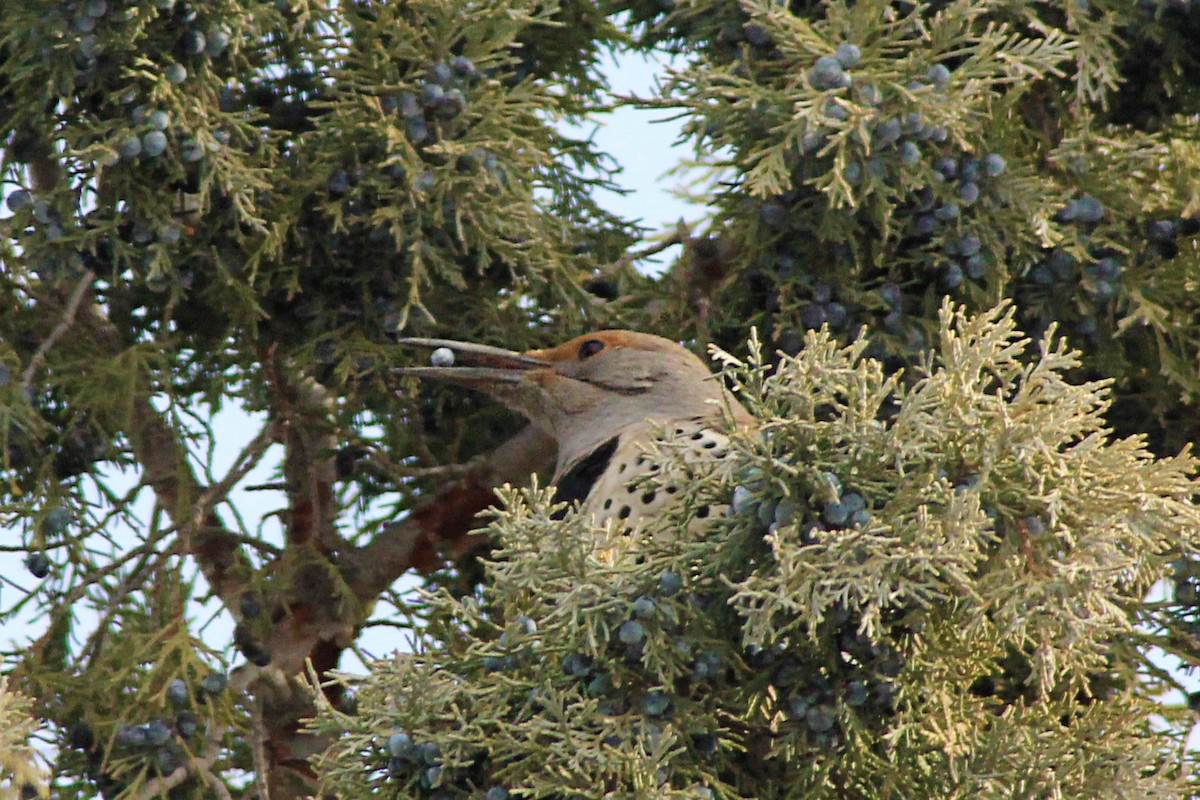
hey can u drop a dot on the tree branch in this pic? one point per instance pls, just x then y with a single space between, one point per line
680 236
164 460
309 470
64 325
247 460
441 525
159 450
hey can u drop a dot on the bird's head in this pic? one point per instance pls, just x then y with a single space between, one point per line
586 390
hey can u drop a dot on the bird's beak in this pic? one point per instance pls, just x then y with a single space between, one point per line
476 366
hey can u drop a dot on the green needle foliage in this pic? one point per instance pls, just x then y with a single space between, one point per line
867 159
946 572
926 588
240 203
20 777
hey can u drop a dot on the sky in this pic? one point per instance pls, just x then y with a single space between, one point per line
644 143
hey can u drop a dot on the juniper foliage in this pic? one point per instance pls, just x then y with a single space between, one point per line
930 587
20 775
867 159
237 203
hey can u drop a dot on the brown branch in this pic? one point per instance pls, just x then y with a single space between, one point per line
379 464
201 765
164 459
258 751
440 526
64 325
247 460
214 781
159 450
680 236
309 468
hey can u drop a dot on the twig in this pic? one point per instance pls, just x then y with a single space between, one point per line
100 573
1027 550
201 765
678 237
247 460
258 752
382 465
439 527
63 326
215 782
131 583
277 486
160 786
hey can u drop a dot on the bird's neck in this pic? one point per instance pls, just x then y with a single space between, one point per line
578 438
577 449
580 443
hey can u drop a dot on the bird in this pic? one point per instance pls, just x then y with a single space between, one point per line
604 397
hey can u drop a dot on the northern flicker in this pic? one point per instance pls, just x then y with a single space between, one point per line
603 396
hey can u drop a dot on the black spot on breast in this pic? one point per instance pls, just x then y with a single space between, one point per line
648 498
631 488
709 445
624 512
702 512
608 504
697 436
672 489
579 481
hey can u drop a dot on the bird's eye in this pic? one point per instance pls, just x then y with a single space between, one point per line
590 347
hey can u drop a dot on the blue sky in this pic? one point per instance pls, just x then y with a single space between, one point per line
643 142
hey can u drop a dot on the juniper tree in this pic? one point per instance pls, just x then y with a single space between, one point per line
239 203
930 587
